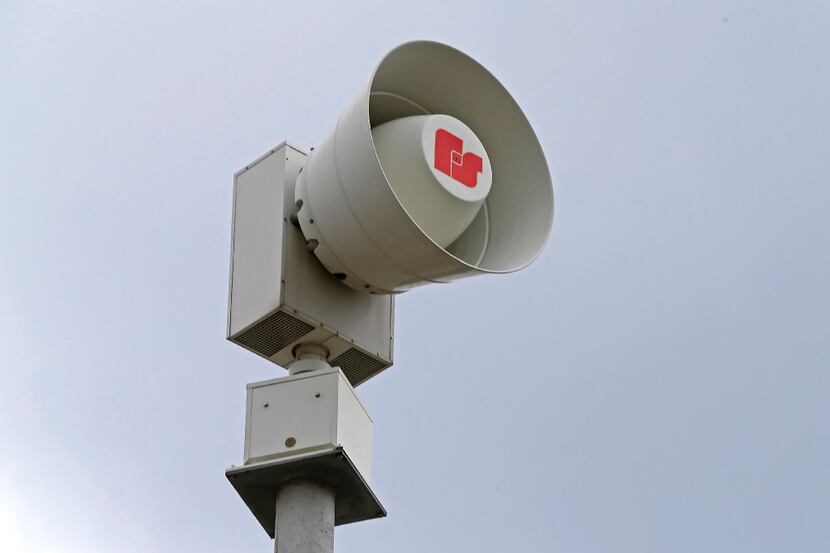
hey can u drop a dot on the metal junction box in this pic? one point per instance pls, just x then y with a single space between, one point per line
310 426
280 294
310 412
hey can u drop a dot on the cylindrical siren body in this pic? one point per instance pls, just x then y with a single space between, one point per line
433 173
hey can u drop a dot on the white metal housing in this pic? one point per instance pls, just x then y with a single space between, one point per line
280 295
310 412
358 225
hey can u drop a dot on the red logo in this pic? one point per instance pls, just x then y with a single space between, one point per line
449 160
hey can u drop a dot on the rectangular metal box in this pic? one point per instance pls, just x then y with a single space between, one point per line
280 294
314 411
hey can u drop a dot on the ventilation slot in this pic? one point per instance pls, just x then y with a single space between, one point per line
273 333
358 366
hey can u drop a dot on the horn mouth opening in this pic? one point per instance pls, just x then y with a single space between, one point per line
361 228
425 77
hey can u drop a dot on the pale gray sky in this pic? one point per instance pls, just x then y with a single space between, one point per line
658 381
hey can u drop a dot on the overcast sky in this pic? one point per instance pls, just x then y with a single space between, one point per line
659 380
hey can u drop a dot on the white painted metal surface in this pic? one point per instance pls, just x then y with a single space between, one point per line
256 257
273 272
361 228
312 411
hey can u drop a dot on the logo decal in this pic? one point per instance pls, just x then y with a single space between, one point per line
449 159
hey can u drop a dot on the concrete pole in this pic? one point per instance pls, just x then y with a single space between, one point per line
305 519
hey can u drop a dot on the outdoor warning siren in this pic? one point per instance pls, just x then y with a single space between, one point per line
432 174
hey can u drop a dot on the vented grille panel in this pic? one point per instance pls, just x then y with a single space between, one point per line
357 366
273 333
